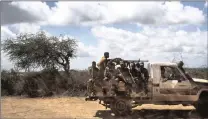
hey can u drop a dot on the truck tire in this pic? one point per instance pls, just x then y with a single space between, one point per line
202 105
121 107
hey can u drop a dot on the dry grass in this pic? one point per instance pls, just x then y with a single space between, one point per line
65 107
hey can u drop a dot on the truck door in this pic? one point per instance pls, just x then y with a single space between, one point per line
172 84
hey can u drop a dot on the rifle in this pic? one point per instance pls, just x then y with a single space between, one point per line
132 78
122 76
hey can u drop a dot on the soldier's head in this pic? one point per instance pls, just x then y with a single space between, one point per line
132 65
137 65
111 65
93 64
106 54
122 64
142 64
180 64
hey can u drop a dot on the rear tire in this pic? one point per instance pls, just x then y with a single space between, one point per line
121 107
202 105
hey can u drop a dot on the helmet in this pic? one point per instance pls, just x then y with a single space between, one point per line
132 64
121 62
141 64
106 54
93 63
111 64
138 64
180 64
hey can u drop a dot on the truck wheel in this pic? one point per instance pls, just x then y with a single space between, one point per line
202 104
121 107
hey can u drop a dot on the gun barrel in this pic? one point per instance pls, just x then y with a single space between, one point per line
137 60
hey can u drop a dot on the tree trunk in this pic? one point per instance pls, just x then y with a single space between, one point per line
67 71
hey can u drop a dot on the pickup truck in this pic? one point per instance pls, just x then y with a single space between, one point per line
167 85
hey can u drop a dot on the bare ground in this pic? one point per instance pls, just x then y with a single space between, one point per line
74 107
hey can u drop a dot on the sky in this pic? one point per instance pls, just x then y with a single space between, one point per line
157 31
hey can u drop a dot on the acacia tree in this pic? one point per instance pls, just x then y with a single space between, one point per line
40 50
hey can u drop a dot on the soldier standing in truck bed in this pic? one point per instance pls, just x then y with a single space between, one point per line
102 64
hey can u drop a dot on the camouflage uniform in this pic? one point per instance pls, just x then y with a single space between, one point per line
125 72
135 70
94 73
136 73
110 75
145 76
125 76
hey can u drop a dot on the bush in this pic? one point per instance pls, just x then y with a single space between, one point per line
11 83
52 82
198 72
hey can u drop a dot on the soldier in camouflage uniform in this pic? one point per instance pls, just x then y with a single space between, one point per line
110 71
94 73
145 76
110 75
125 76
138 76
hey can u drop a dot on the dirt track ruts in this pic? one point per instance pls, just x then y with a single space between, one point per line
74 107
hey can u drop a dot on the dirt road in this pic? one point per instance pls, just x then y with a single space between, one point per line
72 107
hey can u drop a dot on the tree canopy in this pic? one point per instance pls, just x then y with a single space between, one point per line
40 50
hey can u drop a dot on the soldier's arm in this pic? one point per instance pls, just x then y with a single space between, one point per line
90 71
101 61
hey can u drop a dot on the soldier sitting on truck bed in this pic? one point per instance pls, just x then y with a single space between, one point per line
125 76
110 75
133 69
139 79
145 76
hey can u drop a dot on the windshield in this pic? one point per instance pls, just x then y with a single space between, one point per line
171 73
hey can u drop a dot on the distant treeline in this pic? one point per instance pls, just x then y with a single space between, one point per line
56 83
198 72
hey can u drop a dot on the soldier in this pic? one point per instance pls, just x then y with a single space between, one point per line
145 76
110 71
102 64
180 65
125 76
94 73
124 70
133 69
109 80
139 80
